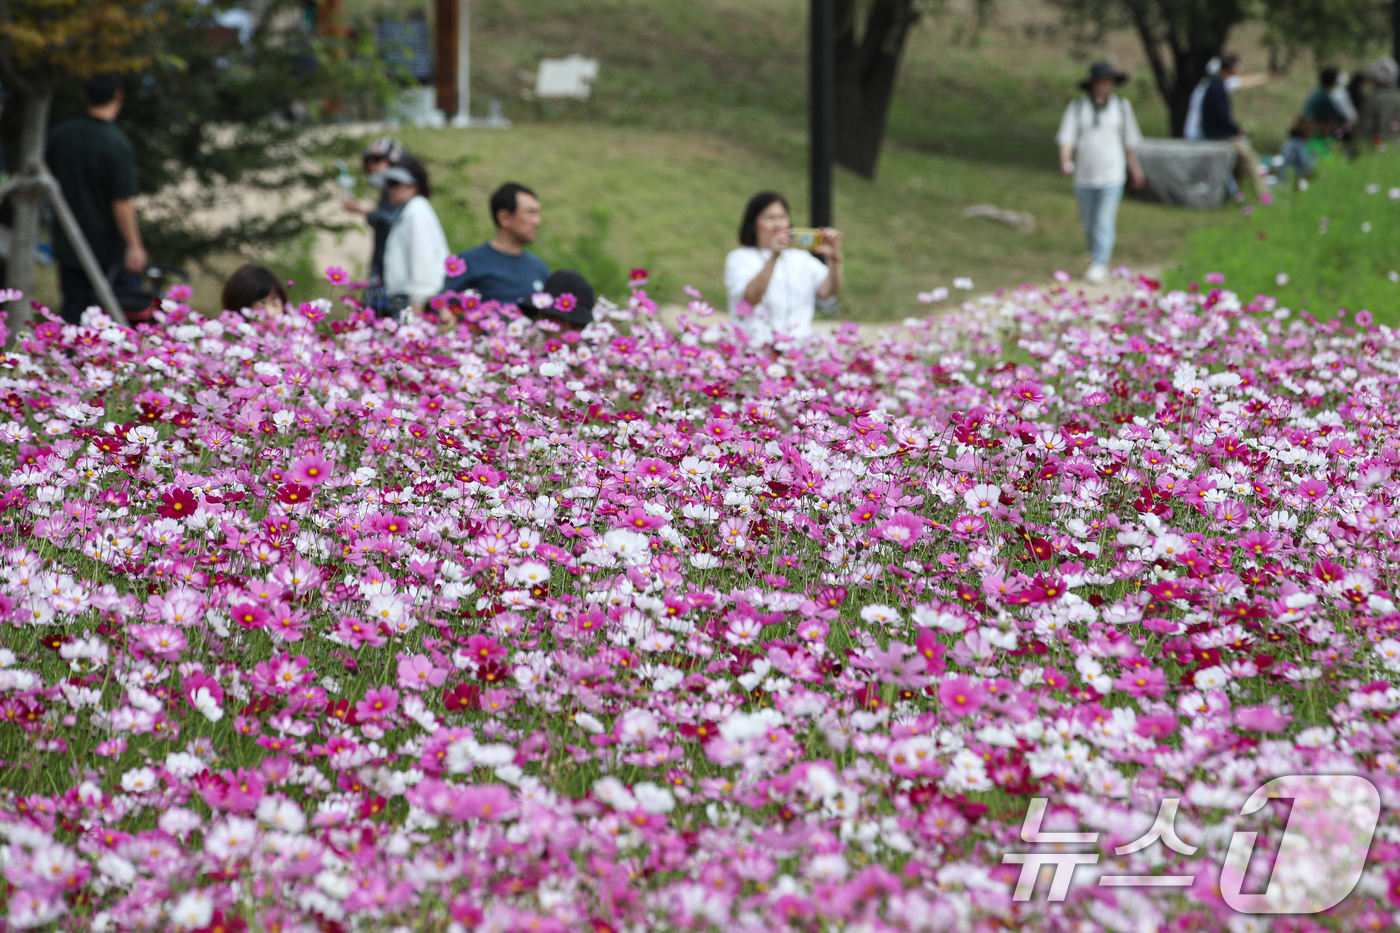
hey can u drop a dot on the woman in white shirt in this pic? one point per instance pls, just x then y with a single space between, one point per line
415 253
772 288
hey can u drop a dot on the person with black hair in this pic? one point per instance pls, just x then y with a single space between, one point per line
254 288
570 301
95 167
772 285
415 252
1323 111
502 269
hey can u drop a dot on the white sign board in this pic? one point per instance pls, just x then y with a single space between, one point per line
566 77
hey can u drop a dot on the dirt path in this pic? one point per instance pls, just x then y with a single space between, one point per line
870 332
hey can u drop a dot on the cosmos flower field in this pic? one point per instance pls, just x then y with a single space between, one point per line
314 625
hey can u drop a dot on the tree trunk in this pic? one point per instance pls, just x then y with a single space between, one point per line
1193 31
1178 97
867 63
34 131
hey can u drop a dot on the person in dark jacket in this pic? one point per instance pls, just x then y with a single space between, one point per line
381 155
95 166
1218 123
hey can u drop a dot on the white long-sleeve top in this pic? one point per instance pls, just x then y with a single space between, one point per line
415 253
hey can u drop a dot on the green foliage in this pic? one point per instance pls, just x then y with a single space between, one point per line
1178 36
1326 27
209 123
588 253
1338 242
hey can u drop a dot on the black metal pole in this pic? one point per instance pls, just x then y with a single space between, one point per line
1395 29
822 65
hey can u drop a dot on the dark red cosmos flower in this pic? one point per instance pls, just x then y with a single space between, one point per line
177 503
462 696
292 494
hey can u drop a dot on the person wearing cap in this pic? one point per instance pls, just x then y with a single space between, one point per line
567 299
502 269
415 251
1099 139
377 158
1380 111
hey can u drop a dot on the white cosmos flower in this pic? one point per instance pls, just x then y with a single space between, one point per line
204 702
192 911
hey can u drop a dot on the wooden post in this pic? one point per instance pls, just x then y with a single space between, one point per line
97 276
330 24
445 47
464 62
28 202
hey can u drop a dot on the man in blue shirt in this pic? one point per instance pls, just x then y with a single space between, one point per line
502 269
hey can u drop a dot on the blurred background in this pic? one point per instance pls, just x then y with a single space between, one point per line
240 113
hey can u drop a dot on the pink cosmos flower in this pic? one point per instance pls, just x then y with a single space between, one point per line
1028 391
904 529
961 696
454 266
337 276
1143 682
418 673
1156 725
1261 719
565 303
378 705
718 429
968 526
311 469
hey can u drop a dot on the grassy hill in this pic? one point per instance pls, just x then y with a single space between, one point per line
698 105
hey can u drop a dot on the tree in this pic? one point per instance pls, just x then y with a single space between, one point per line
1326 27
211 128
41 43
207 111
868 49
870 38
1179 37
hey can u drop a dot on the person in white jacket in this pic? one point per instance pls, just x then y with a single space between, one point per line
415 254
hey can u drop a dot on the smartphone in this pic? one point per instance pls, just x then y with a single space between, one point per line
807 238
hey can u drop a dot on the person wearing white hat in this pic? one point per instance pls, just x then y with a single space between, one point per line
1099 138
